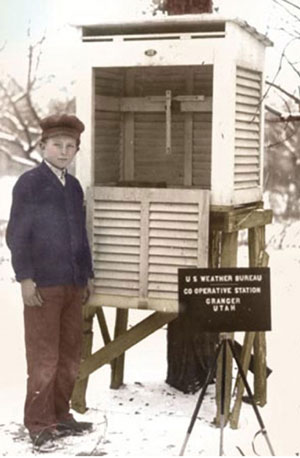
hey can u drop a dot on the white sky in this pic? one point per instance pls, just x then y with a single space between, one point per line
54 18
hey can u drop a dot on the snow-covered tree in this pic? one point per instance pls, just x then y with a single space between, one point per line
20 113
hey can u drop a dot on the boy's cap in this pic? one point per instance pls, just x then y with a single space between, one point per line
61 125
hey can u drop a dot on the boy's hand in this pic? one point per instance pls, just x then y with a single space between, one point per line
30 294
88 291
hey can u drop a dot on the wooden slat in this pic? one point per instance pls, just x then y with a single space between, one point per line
112 214
115 223
156 145
116 249
252 118
109 73
252 160
111 257
116 292
116 266
171 225
173 207
246 100
245 176
248 126
246 169
163 287
109 240
107 103
172 251
141 104
109 124
248 84
117 205
248 109
117 231
246 143
247 151
161 269
248 74
202 153
205 106
171 216
246 185
200 165
173 261
163 295
103 139
116 283
163 278
158 129
117 275
109 116
243 89
167 233
168 242
106 155
246 134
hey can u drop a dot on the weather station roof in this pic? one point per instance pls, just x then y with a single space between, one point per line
208 25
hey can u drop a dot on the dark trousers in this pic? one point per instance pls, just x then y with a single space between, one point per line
53 337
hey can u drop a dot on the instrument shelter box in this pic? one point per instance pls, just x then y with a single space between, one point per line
173 109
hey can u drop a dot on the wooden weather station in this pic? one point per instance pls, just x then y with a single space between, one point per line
172 162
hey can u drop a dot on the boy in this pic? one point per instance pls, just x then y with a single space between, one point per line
51 258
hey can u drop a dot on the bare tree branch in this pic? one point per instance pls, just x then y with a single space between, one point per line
18 159
291 3
292 65
284 91
281 142
286 10
17 112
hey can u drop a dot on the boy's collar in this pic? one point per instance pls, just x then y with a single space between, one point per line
60 173
55 169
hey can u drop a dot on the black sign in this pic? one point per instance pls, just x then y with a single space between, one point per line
226 299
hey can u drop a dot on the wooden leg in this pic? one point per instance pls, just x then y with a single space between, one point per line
259 258
260 369
229 249
103 325
214 248
117 366
245 361
78 401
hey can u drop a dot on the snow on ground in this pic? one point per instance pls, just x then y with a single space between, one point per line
147 417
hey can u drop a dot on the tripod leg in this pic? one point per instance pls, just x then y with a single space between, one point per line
243 376
223 386
200 399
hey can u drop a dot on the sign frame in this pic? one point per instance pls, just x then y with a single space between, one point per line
226 299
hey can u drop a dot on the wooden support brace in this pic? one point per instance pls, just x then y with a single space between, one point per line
229 248
245 361
259 258
124 341
103 325
117 365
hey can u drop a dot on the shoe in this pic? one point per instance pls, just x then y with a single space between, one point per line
41 438
72 426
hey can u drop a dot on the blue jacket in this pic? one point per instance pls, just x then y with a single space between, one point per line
46 232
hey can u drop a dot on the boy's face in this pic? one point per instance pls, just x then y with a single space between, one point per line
59 150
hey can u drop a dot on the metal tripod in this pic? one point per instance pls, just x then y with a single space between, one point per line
224 344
